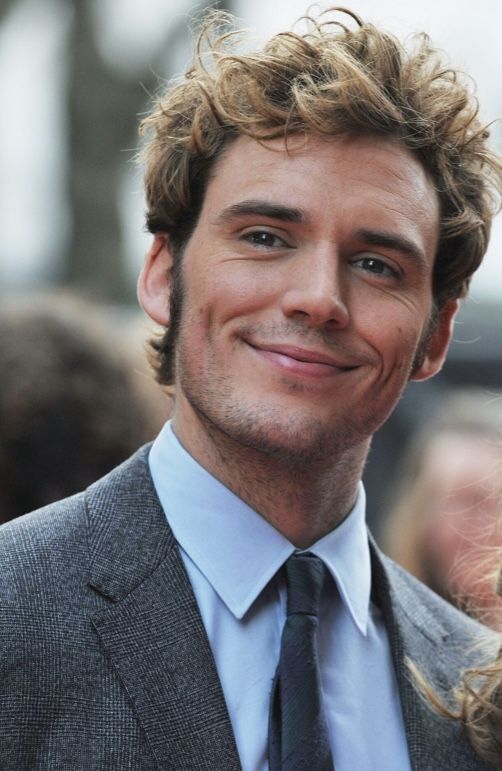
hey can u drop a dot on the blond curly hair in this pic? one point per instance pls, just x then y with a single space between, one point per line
477 701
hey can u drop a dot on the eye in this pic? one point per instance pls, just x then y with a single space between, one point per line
264 239
377 266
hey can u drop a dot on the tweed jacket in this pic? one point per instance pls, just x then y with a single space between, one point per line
104 660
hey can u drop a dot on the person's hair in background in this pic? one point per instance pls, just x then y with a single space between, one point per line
331 81
71 404
480 702
445 526
477 702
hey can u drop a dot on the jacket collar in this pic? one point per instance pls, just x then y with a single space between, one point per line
127 530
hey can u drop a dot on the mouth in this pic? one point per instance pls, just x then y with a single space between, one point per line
302 361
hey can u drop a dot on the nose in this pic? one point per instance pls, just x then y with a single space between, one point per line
316 291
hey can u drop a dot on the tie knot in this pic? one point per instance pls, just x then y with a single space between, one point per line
305 577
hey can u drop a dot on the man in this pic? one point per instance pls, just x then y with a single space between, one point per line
317 209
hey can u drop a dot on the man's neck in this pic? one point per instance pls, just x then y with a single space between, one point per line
304 501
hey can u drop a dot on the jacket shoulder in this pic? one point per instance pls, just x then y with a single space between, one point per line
61 700
41 546
48 549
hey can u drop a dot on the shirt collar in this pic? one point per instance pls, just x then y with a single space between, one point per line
235 548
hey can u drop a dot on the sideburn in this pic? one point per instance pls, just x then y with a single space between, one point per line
165 347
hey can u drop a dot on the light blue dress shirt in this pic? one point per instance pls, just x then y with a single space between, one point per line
231 555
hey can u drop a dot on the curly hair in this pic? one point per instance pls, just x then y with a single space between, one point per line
342 76
477 699
480 709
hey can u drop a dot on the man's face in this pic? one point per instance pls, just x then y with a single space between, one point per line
307 292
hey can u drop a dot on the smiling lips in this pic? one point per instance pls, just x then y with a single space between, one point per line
301 360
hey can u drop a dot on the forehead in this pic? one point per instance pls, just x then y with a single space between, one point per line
330 178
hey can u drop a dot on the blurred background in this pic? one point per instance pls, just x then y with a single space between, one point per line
76 77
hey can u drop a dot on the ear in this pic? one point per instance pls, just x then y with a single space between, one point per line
437 346
154 283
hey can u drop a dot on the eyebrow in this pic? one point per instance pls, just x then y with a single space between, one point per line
393 241
274 211
290 214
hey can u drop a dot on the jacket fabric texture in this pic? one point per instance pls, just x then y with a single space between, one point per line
105 663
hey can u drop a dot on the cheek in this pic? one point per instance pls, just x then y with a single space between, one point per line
394 342
234 293
207 321
411 336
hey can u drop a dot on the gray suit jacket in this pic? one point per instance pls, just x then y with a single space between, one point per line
104 661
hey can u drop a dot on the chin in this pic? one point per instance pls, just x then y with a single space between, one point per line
286 439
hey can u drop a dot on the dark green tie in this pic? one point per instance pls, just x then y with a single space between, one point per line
298 736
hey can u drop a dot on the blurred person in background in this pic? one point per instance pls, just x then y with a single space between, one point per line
445 526
72 404
317 209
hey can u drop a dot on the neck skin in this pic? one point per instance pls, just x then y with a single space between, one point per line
304 500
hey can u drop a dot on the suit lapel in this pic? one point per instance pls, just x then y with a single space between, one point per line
152 630
417 635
